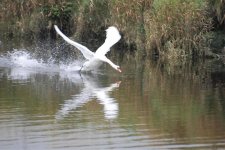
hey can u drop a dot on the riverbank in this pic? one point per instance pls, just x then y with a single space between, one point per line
172 29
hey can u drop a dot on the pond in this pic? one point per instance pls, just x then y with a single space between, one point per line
45 104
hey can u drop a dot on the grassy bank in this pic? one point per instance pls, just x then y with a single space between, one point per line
172 29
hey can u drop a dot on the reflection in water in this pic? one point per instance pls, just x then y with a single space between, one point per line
91 90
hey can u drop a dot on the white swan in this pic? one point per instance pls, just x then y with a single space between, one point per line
94 60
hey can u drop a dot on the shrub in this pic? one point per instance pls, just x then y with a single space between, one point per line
218 12
177 27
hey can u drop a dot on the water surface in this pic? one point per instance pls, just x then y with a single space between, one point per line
49 105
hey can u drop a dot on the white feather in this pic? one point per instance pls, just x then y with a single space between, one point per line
112 37
84 50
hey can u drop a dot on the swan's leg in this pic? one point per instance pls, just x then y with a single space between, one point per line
81 68
81 73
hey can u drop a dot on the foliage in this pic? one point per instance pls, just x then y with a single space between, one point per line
174 28
129 15
177 27
60 12
30 18
218 7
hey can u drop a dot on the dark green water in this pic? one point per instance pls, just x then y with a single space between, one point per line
148 106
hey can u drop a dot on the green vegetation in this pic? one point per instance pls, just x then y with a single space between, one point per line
177 27
218 8
172 29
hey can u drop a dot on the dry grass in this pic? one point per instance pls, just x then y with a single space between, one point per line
27 18
218 8
173 28
177 28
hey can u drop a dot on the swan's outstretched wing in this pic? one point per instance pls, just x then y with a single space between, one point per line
112 37
84 50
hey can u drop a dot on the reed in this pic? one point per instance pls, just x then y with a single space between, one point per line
129 16
170 29
174 28
218 12
177 28
32 17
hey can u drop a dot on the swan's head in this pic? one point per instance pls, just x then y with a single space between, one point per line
118 69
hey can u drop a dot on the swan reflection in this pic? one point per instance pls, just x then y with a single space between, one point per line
90 91
23 71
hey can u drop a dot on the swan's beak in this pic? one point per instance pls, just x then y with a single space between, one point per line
118 83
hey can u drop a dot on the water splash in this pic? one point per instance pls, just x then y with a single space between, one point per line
21 58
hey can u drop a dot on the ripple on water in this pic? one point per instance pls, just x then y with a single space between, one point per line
42 107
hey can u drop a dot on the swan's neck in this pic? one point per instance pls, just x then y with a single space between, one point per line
111 63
